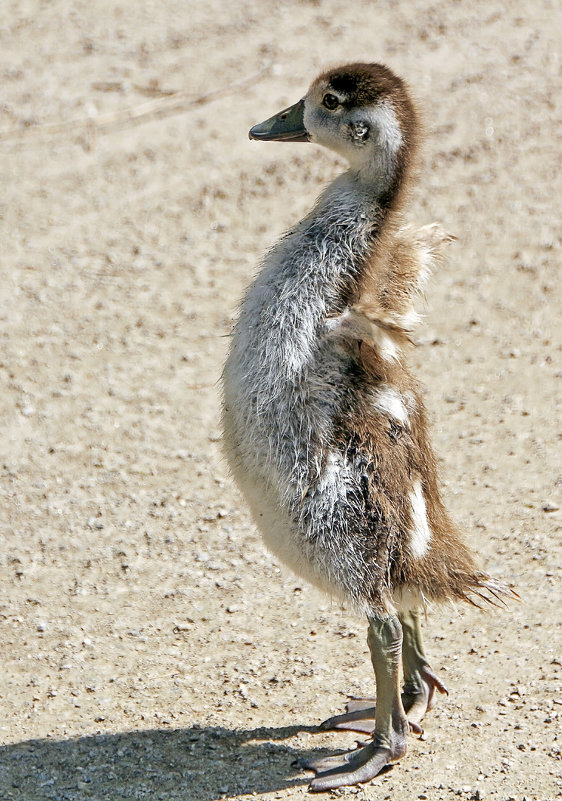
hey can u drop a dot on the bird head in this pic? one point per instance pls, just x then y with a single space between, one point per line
361 111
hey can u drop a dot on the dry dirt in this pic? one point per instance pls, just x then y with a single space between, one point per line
151 648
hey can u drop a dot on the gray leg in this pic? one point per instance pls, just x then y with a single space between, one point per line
391 724
420 684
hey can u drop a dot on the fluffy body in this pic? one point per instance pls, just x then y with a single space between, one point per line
325 428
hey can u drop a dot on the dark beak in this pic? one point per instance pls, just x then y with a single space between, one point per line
287 126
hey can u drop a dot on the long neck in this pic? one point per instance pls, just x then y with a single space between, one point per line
311 274
383 168
323 256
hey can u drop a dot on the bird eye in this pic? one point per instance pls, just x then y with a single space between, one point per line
330 101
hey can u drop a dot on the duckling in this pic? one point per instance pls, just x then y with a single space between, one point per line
324 426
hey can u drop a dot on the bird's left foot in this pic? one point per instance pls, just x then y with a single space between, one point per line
417 699
418 695
353 767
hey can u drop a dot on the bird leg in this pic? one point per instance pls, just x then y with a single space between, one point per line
420 683
391 724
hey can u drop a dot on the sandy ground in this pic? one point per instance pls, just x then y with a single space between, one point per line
151 647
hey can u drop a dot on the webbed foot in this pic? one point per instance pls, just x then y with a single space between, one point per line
352 767
391 727
418 692
417 699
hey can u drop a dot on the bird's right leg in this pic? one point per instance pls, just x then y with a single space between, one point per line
420 683
391 726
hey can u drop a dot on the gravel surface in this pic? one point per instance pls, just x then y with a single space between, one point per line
152 648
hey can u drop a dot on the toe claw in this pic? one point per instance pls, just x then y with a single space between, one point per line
415 727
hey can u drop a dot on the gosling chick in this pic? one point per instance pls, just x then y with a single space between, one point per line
324 426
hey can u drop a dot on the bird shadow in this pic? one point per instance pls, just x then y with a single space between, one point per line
192 764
